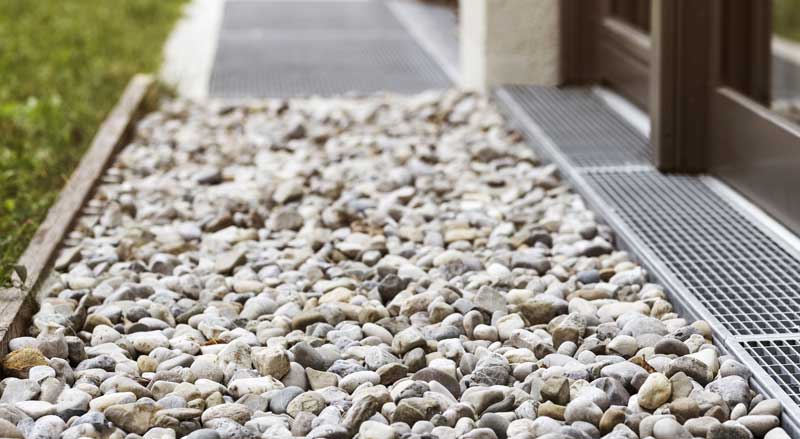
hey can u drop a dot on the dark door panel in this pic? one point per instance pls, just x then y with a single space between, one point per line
608 41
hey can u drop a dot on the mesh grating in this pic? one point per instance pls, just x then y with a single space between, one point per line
746 280
584 128
781 360
284 49
305 15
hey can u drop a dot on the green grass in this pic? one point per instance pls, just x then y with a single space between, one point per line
63 65
787 18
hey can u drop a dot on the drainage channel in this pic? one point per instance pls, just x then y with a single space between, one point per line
290 48
719 264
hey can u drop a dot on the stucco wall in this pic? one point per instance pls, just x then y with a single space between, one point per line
509 42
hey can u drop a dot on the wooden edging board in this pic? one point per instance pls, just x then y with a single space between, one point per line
18 302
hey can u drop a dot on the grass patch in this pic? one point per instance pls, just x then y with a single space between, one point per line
786 21
63 64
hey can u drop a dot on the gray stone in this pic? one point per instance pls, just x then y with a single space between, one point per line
671 346
311 402
307 356
728 430
491 370
733 389
407 340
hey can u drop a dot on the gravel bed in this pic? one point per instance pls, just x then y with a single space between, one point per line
381 267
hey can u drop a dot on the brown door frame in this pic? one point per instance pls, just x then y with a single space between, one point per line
752 148
710 97
681 81
678 72
599 47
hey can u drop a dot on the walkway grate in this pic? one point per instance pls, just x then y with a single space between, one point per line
307 15
717 262
781 360
746 280
301 48
583 127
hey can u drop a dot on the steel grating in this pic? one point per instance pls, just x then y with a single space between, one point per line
781 360
746 280
307 15
301 48
718 262
586 130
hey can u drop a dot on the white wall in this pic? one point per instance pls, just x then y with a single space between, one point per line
509 42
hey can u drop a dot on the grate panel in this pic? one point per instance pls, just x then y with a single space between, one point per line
747 281
273 68
286 49
781 360
306 15
585 129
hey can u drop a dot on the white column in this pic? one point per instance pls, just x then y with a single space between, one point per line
509 42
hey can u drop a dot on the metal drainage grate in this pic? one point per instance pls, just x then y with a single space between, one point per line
302 48
746 280
781 360
718 262
307 15
585 129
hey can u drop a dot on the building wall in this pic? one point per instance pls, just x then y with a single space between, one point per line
509 42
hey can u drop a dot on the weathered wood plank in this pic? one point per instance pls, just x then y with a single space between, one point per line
17 303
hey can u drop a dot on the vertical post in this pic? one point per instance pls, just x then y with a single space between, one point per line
579 36
681 83
510 42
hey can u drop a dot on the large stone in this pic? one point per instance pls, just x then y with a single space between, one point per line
407 340
361 410
655 391
537 311
18 363
556 389
311 402
411 410
429 374
759 425
134 417
491 370
583 409
235 412
376 430
271 361
692 367
733 389
308 356
227 261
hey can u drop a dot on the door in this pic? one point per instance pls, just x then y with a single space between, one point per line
755 136
726 96
609 41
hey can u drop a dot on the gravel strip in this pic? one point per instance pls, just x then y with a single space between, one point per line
381 267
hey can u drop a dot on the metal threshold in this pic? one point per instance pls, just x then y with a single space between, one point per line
719 258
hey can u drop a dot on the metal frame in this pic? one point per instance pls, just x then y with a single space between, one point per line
704 76
599 45
680 83
750 147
